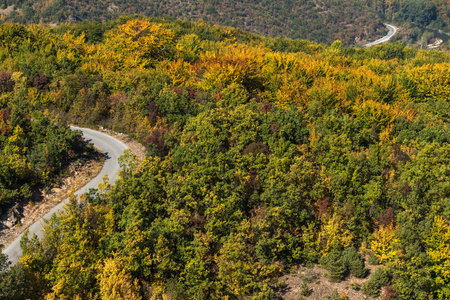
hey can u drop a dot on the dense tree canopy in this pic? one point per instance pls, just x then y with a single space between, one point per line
349 20
32 147
354 22
261 154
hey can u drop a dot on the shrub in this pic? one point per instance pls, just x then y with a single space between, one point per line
379 278
354 262
6 83
155 143
305 290
39 81
332 262
341 263
373 260
309 276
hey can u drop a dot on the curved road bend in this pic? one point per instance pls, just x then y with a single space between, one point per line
392 31
112 148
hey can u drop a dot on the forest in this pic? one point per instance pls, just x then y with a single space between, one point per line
33 150
263 154
350 21
353 22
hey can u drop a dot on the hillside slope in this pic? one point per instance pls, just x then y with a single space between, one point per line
262 155
322 21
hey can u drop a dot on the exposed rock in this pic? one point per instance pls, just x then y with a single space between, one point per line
112 7
7 10
12 217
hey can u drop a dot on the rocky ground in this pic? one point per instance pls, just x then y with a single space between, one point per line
310 283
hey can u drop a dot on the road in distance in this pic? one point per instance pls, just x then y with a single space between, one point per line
391 33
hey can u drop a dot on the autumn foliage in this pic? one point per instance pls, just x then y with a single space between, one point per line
262 154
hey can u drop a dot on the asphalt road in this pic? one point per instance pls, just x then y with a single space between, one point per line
112 148
392 31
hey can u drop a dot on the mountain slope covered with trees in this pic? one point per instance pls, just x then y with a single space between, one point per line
263 154
33 150
322 21
353 22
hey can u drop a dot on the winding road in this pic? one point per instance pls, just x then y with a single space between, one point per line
112 148
392 31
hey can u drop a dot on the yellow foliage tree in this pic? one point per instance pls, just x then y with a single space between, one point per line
13 156
116 283
139 43
373 112
237 269
438 242
189 47
72 47
384 242
237 64
334 234
432 81
179 71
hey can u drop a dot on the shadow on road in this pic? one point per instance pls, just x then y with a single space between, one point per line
107 156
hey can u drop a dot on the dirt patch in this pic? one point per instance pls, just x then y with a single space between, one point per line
7 10
80 172
319 287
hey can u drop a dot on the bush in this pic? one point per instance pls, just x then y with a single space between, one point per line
379 278
373 260
6 83
4 263
354 262
339 264
335 296
332 262
13 283
309 276
305 290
